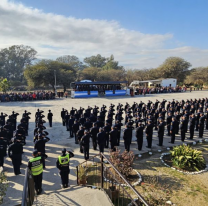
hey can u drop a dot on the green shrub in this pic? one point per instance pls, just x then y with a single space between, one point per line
3 185
187 158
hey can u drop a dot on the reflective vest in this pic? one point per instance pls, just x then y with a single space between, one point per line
64 161
37 166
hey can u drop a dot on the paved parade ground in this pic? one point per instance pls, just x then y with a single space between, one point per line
60 138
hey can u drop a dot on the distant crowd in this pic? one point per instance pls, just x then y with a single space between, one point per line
26 96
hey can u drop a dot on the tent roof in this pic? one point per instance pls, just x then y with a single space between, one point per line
100 83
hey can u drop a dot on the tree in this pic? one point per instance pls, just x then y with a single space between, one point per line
95 61
14 59
197 76
90 73
111 64
43 74
4 85
174 67
73 61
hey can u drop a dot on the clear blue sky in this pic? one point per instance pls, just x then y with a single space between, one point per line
187 20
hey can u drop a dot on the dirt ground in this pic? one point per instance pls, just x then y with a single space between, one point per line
180 189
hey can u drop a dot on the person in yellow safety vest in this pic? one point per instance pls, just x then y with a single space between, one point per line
62 164
36 167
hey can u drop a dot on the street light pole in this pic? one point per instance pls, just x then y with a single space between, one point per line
55 80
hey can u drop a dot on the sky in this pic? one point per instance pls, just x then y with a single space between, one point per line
139 33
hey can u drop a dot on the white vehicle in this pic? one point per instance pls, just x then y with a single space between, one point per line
155 83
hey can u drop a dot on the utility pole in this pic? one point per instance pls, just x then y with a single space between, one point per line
55 81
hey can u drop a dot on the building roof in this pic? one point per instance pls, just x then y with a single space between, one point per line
100 83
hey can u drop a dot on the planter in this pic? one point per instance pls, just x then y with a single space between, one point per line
113 193
184 172
82 182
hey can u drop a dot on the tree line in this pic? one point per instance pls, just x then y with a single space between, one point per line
19 66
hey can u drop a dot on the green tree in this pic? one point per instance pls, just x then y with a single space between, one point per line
197 76
90 73
43 74
4 85
174 67
95 61
112 64
14 59
73 61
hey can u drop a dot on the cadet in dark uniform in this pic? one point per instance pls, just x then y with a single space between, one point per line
192 126
94 131
118 126
40 147
36 167
101 140
201 125
80 134
161 128
86 144
169 120
107 129
70 125
149 132
183 128
173 127
15 153
113 138
3 146
50 118
75 128
62 164
139 135
127 135
2 119
63 112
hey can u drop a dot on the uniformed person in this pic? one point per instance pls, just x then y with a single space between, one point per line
161 128
101 140
50 118
86 144
183 128
62 164
139 135
201 125
63 113
192 125
94 131
149 132
40 147
3 146
35 165
80 134
113 138
15 153
173 126
127 136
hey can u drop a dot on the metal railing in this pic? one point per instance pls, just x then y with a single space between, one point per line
102 174
28 193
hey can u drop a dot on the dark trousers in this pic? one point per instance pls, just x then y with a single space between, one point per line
50 122
140 143
94 142
86 152
118 138
183 135
38 182
201 131
149 141
16 161
71 132
106 140
168 128
191 132
177 127
1 160
160 139
197 126
64 177
101 147
173 137
113 145
81 148
127 145
63 122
